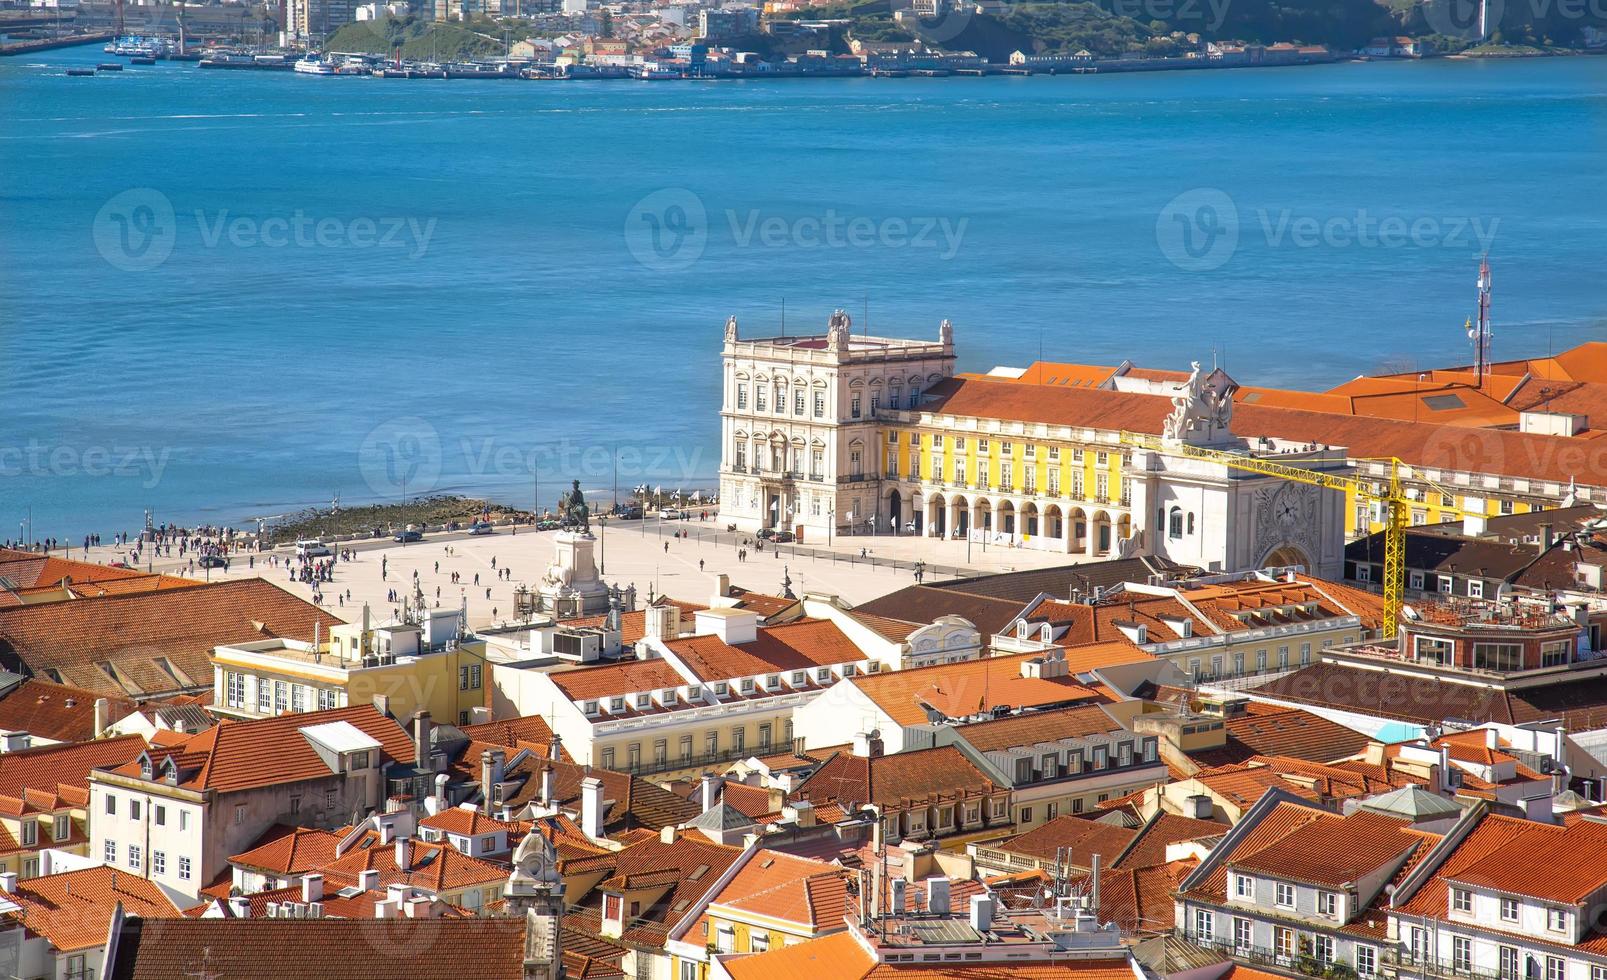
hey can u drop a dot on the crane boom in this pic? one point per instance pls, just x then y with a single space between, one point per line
1391 503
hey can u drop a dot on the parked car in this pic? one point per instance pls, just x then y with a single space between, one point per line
766 533
480 527
782 537
214 561
549 525
409 535
313 548
671 514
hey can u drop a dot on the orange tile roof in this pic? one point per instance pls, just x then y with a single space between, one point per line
690 865
1423 443
890 780
810 894
284 850
975 686
331 949
530 731
74 909
800 645
612 680
31 570
155 642
1520 857
61 714
1334 851
434 867
1244 783
52 776
1032 727
270 751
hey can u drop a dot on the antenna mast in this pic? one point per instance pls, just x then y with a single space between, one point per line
1479 333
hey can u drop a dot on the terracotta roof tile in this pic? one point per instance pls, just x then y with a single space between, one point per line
333 949
155 642
888 780
800 645
61 714
271 751
286 850
74 909
62 771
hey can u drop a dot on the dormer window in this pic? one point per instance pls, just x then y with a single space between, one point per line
1461 900
616 705
590 707
668 697
823 674
1243 887
721 689
747 685
694 693
644 700
799 678
357 760
145 769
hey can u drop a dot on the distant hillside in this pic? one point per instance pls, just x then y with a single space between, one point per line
419 40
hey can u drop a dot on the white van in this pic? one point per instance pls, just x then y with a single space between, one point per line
313 548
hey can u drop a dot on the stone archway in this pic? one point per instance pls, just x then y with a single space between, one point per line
1287 554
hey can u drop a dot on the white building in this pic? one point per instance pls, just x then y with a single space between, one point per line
799 424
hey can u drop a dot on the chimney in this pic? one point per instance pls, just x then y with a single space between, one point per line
663 621
421 740
1492 739
555 748
418 907
312 888
1199 806
803 814
491 761
440 791
591 807
103 716
8 882
1547 538
240 906
404 854
937 896
711 786
368 880
397 894
548 780
723 585
734 626
981 913
868 745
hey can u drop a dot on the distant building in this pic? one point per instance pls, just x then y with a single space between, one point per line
727 24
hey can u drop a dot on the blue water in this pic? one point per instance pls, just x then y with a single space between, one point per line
489 289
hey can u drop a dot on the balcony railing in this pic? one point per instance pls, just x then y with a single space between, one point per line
1297 960
649 767
1405 961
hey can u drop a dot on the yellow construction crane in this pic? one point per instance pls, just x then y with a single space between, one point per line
1391 504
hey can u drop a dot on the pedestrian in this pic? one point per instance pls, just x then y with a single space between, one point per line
700 564
666 547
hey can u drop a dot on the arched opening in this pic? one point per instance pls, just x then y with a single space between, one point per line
917 518
1007 517
1029 519
962 516
1102 533
1054 522
1079 530
939 509
895 509
982 515
1287 554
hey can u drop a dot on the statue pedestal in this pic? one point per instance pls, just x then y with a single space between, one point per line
571 587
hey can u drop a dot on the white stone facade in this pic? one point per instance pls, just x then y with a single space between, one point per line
799 422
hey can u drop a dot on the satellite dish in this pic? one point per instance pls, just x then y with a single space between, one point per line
1410 613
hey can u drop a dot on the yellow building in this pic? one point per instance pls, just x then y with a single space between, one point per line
773 900
398 667
44 799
